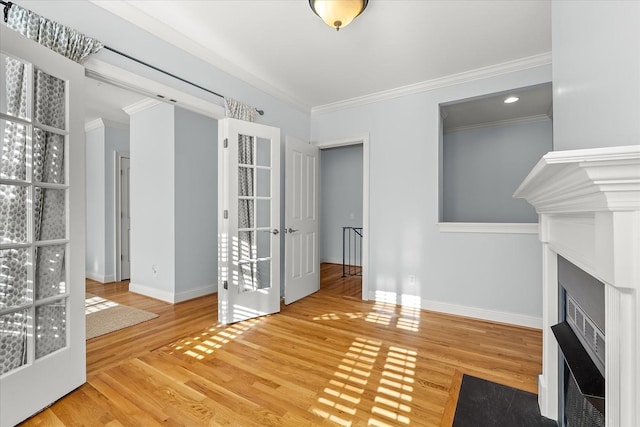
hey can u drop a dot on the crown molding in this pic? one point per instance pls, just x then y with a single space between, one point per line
589 180
102 123
498 123
139 18
142 105
453 79
93 125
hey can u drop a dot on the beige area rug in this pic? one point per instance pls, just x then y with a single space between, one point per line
105 316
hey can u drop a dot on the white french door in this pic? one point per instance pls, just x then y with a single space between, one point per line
248 220
302 264
42 287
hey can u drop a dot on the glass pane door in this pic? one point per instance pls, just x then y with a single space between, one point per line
249 177
41 227
33 196
254 213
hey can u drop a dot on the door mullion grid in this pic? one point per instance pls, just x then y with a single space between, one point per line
67 202
253 252
31 238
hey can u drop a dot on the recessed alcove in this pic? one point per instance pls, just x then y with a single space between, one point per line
487 148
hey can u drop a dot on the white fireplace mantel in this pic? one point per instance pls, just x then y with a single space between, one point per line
589 207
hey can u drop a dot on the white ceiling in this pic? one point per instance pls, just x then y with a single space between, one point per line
283 48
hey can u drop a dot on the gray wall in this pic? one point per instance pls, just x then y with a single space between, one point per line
173 203
340 197
500 273
196 201
483 167
95 205
596 64
101 145
152 202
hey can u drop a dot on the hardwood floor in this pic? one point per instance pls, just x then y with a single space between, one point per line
330 359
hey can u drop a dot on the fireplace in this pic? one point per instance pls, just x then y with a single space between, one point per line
581 339
588 203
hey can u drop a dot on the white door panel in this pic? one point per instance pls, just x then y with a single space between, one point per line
248 220
125 225
42 320
302 266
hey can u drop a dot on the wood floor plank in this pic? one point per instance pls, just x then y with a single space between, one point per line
328 359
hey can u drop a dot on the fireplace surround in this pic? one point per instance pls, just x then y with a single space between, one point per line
588 203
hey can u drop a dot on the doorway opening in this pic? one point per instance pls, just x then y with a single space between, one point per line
344 202
122 217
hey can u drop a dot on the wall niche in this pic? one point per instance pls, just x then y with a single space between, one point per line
487 147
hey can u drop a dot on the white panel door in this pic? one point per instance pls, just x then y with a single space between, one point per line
42 228
302 264
248 220
125 219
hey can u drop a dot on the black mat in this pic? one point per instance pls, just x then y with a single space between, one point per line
485 403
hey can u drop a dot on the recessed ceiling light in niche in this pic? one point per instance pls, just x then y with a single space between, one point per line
511 100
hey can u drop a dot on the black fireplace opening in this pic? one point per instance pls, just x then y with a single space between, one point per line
581 339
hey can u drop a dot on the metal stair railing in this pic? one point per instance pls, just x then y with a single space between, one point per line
351 251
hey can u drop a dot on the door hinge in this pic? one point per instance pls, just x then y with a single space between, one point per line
225 284
225 214
226 143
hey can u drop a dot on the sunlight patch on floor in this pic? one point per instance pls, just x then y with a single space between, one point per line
203 346
391 403
357 373
334 316
339 400
96 303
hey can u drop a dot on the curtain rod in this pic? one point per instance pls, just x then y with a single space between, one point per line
7 6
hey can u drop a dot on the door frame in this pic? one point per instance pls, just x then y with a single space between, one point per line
111 74
118 213
344 142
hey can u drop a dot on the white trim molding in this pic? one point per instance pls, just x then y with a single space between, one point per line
453 79
99 278
102 123
172 297
540 118
141 105
488 227
196 293
93 125
589 206
150 292
462 310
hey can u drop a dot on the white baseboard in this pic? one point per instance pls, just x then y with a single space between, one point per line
172 297
476 313
195 293
99 278
152 292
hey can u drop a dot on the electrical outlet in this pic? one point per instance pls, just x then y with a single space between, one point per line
412 279
154 270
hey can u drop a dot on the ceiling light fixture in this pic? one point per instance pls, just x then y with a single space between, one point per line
338 13
511 100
